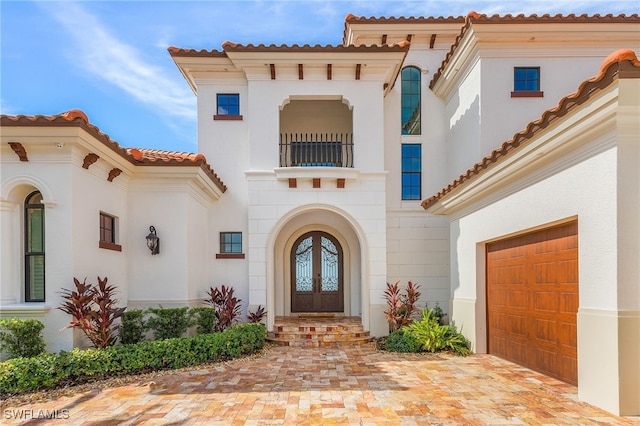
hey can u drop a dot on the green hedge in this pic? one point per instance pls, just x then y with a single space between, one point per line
21 337
21 375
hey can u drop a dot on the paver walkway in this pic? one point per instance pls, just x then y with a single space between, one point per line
353 386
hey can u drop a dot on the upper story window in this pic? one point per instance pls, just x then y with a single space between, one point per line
526 82
410 110
230 246
108 228
411 171
34 248
227 107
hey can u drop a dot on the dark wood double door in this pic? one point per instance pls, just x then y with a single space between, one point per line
317 274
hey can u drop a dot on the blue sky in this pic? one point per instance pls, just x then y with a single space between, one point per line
110 59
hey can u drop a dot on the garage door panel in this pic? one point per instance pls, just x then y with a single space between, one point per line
545 330
518 299
532 300
568 302
545 302
544 272
508 274
516 326
569 337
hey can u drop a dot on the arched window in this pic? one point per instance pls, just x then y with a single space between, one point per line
34 248
411 101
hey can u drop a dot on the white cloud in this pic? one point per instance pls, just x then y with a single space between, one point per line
102 54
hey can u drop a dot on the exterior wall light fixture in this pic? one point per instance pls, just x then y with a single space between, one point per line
153 242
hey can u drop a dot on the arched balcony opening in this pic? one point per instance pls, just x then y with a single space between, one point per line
316 133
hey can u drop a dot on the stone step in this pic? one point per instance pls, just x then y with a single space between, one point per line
319 331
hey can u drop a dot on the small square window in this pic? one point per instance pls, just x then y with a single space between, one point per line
230 242
228 104
526 82
108 232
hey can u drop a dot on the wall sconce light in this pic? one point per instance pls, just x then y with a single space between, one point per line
153 242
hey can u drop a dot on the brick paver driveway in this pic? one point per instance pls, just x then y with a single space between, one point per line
334 386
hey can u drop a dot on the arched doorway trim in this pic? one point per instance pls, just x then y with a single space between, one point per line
281 237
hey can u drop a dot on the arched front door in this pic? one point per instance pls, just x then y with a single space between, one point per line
317 274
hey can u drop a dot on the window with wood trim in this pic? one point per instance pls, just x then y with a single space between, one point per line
411 101
231 242
230 246
227 107
411 171
108 232
34 272
526 82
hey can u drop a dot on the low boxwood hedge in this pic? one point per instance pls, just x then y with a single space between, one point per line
19 375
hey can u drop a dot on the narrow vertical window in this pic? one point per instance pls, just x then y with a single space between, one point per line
34 248
107 228
411 171
108 232
411 96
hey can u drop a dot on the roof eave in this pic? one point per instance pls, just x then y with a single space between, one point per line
620 64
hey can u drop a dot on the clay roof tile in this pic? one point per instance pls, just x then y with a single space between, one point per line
138 156
478 18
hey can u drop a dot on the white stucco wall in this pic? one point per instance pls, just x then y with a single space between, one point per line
91 193
464 125
501 115
180 273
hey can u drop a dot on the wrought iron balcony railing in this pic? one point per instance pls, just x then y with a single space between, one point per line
316 150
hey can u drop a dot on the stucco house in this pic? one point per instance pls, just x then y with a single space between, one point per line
494 160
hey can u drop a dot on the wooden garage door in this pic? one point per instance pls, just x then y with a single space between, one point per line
532 300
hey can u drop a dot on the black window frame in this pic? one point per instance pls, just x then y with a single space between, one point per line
108 228
230 249
410 173
411 100
30 254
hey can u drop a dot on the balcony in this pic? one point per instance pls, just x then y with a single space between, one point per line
316 150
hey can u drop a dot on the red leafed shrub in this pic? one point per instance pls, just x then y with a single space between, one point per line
226 306
93 311
258 315
400 306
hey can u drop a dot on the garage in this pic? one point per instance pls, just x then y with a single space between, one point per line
532 300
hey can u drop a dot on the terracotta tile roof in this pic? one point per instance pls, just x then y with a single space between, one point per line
352 19
178 51
137 156
477 18
622 63
228 46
